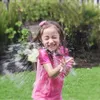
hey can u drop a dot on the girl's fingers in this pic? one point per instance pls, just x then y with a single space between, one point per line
70 60
62 62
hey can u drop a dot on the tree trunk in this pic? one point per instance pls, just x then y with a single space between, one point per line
97 1
6 3
60 1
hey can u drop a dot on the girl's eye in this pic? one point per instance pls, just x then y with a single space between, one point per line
54 37
46 38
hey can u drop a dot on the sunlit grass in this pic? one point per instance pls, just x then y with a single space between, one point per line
17 86
85 85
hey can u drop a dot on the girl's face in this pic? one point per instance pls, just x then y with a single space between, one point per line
50 38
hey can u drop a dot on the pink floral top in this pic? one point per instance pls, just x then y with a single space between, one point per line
45 87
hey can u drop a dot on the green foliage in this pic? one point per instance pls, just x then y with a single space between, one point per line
34 11
18 24
81 23
82 36
3 23
13 14
3 18
21 33
11 33
91 18
95 36
24 34
42 10
8 19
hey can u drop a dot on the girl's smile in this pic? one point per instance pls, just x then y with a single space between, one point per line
50 38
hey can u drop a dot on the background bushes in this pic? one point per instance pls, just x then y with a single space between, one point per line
81 22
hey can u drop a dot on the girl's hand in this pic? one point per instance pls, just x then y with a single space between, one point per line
67 63
62 64
70 61
67 60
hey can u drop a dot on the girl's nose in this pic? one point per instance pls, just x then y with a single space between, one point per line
50 41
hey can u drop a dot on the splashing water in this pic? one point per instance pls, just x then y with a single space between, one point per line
16 60
72 72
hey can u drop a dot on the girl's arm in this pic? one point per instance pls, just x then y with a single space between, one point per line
64 64
52 72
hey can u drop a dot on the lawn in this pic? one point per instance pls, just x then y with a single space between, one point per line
84 85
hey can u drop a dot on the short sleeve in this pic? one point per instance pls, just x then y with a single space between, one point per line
43 57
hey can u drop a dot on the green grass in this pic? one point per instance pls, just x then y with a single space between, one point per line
85 85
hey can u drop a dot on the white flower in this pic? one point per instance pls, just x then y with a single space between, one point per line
32 57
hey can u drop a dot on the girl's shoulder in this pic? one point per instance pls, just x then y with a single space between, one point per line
43 56
42 52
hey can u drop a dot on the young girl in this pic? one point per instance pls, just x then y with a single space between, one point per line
53 62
